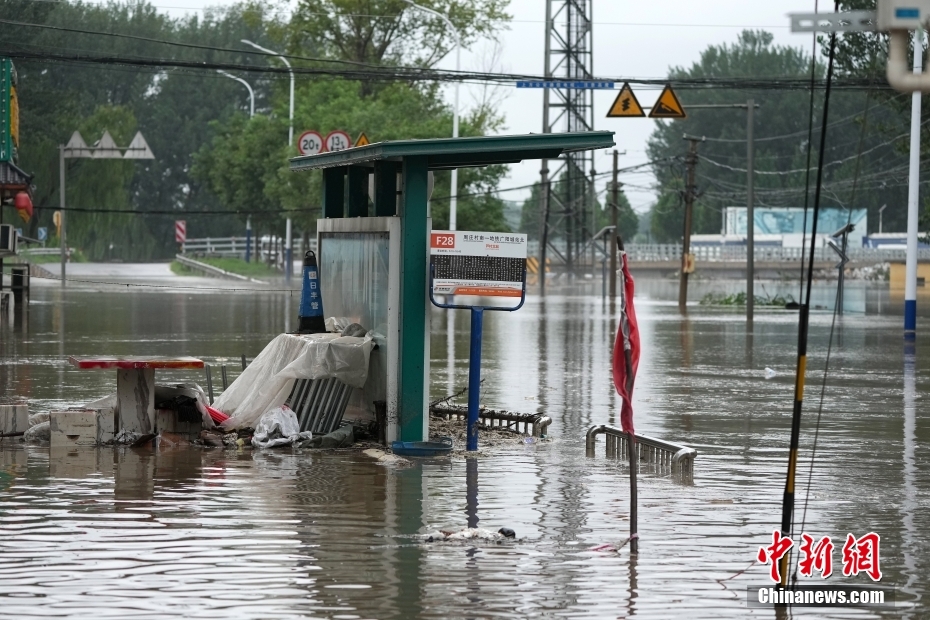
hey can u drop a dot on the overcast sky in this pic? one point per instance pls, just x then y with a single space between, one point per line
635 39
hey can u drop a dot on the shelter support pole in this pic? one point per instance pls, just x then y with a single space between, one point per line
385 197
913 202
334 192
413 366
358 191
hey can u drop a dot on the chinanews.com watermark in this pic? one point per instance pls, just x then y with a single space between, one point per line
815 559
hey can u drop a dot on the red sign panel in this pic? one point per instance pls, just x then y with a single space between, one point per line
442 240
180 231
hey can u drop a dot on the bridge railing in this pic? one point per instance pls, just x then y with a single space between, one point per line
234 247
671 252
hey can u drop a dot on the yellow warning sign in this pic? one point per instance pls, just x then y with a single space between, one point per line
626 104
362 140
667 105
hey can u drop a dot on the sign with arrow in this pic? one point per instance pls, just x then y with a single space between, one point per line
626 104
667 105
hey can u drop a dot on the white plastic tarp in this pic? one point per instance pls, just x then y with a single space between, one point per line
267 381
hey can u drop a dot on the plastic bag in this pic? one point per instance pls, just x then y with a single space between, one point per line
279 427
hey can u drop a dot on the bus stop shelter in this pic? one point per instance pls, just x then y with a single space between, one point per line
385 187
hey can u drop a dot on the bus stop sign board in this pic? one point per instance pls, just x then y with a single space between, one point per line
482 264
478 263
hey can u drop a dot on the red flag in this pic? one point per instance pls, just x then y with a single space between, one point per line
626 347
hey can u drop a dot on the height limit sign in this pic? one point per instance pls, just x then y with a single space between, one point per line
485 264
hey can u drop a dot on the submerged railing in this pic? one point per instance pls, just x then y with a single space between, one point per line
534 424
663 454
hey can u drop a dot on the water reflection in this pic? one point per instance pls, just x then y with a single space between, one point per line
909 505
211 533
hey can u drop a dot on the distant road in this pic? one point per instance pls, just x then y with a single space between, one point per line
140 273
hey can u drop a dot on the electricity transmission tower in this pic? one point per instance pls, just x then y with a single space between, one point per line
570 212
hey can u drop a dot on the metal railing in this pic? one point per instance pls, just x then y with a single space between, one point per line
663 454
737 253
215 246
534 424
234 247
671 252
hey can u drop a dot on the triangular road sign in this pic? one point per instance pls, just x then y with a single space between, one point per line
362 140
106 148
626 104
667 105
138 148
76 147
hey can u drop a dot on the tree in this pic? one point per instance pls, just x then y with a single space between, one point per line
390 32
858 150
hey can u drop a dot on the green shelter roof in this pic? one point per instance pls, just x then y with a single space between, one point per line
448 153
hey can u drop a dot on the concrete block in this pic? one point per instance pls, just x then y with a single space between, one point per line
80 427
166 421
135 392
13 419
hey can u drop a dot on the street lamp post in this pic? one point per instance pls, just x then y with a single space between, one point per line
289 251
246 84
453 201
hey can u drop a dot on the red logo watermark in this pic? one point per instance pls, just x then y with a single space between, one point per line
860 555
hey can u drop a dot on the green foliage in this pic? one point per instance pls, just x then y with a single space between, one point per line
860 122
739 299
391 31
246 163
208 155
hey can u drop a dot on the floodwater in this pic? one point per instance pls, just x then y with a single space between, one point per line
213 534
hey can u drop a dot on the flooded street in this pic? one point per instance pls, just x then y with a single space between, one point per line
208 533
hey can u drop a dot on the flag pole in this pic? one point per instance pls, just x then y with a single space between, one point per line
631 443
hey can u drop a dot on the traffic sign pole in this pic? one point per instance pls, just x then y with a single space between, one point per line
474 376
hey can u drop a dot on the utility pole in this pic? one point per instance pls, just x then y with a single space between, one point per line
544 193
690 163
61 212
750 214
913 205
615 191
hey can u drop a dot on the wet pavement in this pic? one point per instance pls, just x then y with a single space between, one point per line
212 534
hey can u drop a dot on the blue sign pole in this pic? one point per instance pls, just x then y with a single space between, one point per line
474 362
474 376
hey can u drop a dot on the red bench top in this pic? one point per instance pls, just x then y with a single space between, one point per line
136 362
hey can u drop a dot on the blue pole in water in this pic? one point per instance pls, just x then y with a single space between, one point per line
474 377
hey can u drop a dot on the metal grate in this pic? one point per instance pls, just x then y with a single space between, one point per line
662 454
533 424
319 404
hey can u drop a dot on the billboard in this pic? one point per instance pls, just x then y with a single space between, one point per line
789 222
